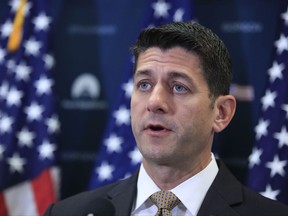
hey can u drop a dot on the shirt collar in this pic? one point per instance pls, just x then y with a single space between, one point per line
145 187
191 199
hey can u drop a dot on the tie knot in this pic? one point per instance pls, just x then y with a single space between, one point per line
165 200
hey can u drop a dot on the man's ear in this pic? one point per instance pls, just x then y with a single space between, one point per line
225 107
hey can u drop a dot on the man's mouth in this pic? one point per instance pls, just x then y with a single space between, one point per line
156 127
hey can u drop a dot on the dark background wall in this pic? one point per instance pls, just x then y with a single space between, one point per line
93 37
91 40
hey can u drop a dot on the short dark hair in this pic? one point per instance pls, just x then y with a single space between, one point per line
194 38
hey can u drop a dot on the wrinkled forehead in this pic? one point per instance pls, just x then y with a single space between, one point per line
174 59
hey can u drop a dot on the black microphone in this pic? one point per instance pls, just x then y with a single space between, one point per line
100 207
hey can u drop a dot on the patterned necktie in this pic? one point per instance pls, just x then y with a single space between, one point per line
165 201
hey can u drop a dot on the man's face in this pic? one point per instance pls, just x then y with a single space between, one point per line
172 116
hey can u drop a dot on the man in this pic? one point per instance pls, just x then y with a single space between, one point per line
180 99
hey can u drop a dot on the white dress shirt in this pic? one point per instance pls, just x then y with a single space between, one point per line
191 192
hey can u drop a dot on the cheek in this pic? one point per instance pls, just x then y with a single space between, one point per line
195 121
136 114
137 107
134 110
133 119
133 105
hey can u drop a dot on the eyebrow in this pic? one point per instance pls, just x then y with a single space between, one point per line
143 72
171 75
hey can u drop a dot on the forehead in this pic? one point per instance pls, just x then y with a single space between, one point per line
176 59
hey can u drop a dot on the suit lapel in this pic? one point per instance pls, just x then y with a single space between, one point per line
122 196
224 193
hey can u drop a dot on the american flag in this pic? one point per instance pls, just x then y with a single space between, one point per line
268 161
28 122
118 156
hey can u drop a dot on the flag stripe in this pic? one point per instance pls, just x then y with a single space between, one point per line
19 205
28 119
43 191
39 194
3 209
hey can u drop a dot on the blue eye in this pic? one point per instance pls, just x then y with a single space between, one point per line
179 89
144 86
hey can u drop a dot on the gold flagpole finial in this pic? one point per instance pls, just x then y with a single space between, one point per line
15 38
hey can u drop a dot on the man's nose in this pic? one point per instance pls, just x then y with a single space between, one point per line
158 101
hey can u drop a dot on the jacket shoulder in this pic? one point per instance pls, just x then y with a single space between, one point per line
227 196
85 202
260 205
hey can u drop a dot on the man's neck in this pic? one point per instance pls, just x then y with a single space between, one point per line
168 177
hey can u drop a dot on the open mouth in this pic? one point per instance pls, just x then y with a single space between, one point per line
156 127
157 130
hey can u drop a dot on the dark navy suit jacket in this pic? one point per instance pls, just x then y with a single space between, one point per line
226 197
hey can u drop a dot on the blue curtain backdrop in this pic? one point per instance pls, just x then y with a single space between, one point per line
91 41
